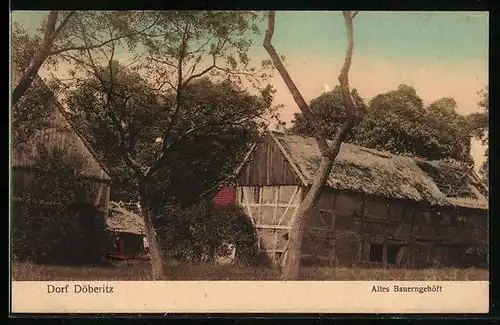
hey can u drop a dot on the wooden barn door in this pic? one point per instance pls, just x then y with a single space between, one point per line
272 210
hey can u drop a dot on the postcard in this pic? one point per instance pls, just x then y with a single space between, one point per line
249 162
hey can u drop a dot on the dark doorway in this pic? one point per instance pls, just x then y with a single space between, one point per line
392 252
376 253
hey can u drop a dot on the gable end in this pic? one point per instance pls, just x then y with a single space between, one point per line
266 165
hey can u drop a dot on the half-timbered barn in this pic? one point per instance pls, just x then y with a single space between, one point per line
377 209
60 135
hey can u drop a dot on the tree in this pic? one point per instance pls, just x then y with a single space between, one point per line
63 32
178 44
33 112
330 111
328 152
394 122
398 122
202 159
103 121
450 131
479 126
208 156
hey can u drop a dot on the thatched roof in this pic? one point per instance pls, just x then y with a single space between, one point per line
374 172
121 219
62 134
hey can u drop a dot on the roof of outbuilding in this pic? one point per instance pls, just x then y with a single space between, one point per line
121 219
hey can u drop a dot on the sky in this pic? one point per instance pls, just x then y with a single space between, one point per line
440 54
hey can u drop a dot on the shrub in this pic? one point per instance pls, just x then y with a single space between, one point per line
201 232
476 256
53 216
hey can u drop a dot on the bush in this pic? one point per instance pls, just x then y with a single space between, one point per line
476 256
54 219
201 232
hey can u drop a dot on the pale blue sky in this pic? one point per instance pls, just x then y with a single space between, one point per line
386 35
441 54
429 36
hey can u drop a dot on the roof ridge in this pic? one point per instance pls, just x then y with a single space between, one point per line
397 177
382 153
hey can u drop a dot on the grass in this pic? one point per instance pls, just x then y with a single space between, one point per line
22 271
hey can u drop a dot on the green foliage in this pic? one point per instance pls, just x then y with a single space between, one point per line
75 33
478 123
24 47
78 30
217 123
397 122
329 109
53 217
199 233
32 112
476 256
228 119
484 171
144 111
214 44
134 109
449 131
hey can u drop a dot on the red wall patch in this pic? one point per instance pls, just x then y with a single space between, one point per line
226 196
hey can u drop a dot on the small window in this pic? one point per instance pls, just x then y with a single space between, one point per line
424 217
393 250
346 205
446 218
396 211
376 208
408 215
376 253
461 220
326 218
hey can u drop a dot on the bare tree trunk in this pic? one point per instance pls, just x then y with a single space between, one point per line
32 71
154 247
291 269
291 264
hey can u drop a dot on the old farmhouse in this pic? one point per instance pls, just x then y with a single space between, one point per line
378 209
60 135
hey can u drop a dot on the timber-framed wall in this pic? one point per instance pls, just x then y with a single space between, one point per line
351 228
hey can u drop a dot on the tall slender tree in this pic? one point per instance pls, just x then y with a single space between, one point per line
291 268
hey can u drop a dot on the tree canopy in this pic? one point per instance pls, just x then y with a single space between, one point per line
398 122
70 32
219 121
479 127
329 109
